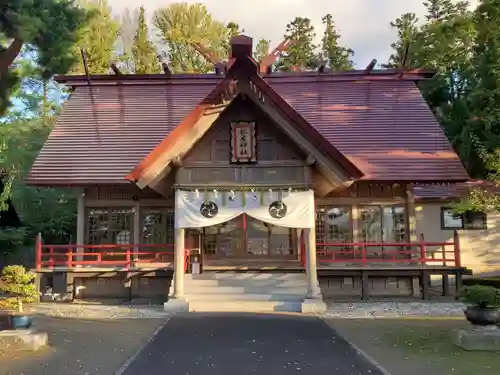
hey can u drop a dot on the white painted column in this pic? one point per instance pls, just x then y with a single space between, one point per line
179 263
313 290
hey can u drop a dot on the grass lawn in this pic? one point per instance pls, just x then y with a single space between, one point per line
417 346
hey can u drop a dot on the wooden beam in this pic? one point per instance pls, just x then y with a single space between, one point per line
371 66
115 69
166 69
85 65
265 65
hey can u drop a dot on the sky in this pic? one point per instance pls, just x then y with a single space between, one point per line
363 24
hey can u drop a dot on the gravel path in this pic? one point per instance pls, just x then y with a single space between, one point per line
393 309
90 311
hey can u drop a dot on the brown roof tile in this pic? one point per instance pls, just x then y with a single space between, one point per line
381 125
451 191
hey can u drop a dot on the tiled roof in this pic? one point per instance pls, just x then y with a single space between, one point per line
381 124
451 191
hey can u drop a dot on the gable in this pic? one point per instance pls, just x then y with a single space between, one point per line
272 145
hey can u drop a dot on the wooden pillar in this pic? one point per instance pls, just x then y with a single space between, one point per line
411 215
137 229
179 263
80 225
313 290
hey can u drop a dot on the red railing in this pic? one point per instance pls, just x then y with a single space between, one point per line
364 253
111 255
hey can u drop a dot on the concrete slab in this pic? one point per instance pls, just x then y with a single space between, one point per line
480 338
175 305
313 306
23 339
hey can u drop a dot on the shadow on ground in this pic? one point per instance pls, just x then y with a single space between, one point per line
224 344
79 347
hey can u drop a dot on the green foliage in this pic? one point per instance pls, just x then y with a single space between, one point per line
145 56
261 49
49 27
338 57
180 25
97 38
301 55
11 239
494 282
49 211
481 296
17 282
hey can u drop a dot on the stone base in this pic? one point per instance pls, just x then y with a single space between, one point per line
175 305
313 306
480 338
25 339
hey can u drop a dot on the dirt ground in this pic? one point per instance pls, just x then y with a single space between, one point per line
81 347
413 346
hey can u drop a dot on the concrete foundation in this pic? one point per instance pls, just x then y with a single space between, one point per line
313 306
480 338
23 340
176 305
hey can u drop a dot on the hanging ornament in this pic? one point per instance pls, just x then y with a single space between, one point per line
224 198
197 193
231 196
215 194
262 198
254 196
205 196
243 198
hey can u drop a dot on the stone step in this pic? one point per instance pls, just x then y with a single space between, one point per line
248 276
245 306
244 289
243 284
244 297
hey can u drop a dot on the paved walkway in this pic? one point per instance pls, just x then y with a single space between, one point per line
230 344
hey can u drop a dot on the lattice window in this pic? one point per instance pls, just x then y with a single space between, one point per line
110 226
320 226
153 226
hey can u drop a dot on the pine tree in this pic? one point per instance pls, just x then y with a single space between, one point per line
408 36
301 53
338 57
144 53
98 39
50 27
261 49
442 10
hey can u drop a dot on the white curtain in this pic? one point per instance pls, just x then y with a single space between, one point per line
197 209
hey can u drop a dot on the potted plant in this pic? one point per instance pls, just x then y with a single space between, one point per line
483 304
17 287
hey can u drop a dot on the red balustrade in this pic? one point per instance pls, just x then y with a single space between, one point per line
365 253
110 255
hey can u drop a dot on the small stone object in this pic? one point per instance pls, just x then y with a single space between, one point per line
23 339
478 338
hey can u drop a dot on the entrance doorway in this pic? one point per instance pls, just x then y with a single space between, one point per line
246 240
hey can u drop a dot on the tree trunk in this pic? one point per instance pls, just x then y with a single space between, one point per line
8 56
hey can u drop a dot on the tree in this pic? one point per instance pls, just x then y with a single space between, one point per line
408 35
338 57
98 38
261 49
49 28
300 54
180 25
145 56
443 43
443 10
128 28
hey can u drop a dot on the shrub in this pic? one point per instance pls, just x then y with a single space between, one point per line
487 281
481 296
18 286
